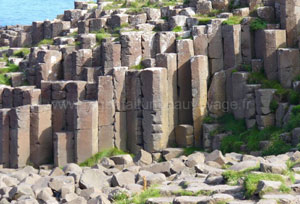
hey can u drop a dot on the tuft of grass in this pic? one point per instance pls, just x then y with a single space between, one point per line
190 193
22 52
233 177
190 150
46 42
138 67
137 198
258 24
251 181
101 35
4 79
97 157
177 29
233 20
294 119
205 20
283 95
208 119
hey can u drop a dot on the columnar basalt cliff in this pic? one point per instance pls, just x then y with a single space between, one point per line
142 76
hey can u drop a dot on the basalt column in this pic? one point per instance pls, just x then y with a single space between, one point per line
19 136
120 130
134 112
85 129
4 137
169 61
106 108
155 108
41 135
199 83
185 50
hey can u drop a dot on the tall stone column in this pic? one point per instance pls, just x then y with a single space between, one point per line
199 83
185 50
232 45
63 147
119 85
169 61
86 130
4 137
134 112
19 136
155 108
106 108
41 142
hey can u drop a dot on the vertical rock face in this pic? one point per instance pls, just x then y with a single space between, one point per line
145 78
41 148
289 19
155 108
232 45
199 85
106 108
63 148
134 112
271 41
288 66
4 138
86 130
185 50
216 94
19 136
169 61
131 49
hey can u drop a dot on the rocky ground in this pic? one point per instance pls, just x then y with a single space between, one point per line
210 178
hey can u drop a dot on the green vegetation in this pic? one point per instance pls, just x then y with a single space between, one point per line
282 94
141 198
101 35
258 24
46 42
240 135
3 71
294 119
22 52
177 29
191 150
140 66
4 79
97 157
190 193
251 180
233 20
208 119
205 20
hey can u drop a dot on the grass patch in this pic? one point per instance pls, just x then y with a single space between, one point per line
233 20
97 157
240 135
137 198
138 67
294 119
22 52
190 193
251 181
205 20
258 24
190 150
46 42
282 94
177 29
4 80
101 35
